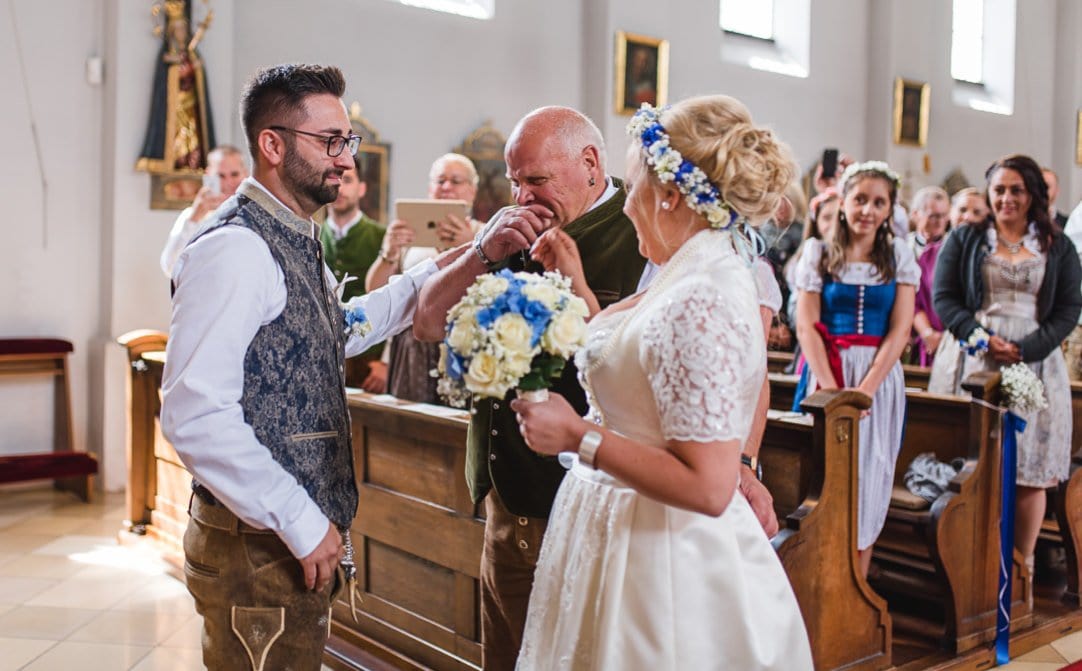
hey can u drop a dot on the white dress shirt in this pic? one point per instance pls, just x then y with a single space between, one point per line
183 230
227 287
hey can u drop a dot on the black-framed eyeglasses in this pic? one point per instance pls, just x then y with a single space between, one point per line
335 143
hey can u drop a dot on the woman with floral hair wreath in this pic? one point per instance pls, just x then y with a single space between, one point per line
653 559
854 312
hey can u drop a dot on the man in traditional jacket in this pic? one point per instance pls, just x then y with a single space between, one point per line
351 243
253 396
556 164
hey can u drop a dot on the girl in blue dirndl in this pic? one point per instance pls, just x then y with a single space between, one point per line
854 312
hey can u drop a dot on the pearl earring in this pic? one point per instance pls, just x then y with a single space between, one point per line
665 205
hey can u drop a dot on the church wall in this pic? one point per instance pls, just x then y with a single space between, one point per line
50 259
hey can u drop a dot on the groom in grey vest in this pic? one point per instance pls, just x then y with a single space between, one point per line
253 390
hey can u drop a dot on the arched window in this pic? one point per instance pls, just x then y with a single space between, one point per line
770 35
967 41
751 19
982 54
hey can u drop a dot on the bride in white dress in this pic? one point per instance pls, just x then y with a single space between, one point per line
653 559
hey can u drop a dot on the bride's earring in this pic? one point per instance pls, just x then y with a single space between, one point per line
665 205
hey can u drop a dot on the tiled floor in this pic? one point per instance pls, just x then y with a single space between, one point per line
71 597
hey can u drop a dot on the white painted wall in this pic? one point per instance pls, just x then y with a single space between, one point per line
87 268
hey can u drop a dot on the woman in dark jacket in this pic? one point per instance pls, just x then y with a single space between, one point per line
1017 278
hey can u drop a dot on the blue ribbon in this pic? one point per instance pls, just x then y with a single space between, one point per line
1012 426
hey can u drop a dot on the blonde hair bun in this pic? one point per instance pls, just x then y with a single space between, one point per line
748 163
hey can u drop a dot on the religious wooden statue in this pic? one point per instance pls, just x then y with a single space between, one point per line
180 132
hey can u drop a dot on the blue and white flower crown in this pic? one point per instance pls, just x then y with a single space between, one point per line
700 193
878 167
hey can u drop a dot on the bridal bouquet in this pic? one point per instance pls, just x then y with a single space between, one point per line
510 330
1023 391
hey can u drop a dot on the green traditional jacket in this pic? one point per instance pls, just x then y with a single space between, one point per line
496 454
354 253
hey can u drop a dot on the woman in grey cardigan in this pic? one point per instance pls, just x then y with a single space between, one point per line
1016 277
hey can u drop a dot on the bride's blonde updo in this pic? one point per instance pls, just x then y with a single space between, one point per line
748 163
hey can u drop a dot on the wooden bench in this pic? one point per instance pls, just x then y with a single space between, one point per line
144 406
810 467
72 471
945 554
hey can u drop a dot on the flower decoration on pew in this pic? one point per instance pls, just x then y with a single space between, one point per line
1023 391
356 322
700 193
977 342
510 330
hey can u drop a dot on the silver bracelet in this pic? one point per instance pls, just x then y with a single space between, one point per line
489 263
591 440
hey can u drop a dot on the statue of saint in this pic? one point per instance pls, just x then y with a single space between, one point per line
180 132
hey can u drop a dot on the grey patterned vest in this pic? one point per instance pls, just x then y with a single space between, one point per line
294 380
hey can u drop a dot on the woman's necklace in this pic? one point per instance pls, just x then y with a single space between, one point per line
1012 247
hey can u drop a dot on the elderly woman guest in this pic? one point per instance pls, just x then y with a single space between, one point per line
930 215
1018 278
854 314
621 582
451 177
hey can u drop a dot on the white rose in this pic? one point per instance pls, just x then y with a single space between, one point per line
464 336
488 287
513 333
542 292
565 334
516 365
577 306
483 376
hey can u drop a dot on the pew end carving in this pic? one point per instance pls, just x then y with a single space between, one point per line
848 623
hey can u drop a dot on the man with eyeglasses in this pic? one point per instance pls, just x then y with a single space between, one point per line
253 397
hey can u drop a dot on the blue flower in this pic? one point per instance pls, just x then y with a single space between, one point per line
537 316
455 368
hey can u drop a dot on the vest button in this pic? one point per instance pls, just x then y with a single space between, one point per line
523 545
522 521
495 406
492 457
495 432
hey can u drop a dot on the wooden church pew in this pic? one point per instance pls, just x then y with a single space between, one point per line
810 467
938 563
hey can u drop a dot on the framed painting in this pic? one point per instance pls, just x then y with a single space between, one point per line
484 147
642 72
375 159
174 191
911 101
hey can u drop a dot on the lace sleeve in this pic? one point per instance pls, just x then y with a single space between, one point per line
701 353
806 275
766 285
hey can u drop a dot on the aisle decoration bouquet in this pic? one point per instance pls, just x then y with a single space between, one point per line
1023 391
977 342
510 330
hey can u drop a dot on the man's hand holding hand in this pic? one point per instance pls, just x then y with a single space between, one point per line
515 229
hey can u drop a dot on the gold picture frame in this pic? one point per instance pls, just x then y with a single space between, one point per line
642 72
911 103
374 155
1078 140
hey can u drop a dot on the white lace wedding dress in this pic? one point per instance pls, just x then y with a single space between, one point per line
623 581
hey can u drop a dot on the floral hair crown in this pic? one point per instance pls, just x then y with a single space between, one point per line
701 194
878 167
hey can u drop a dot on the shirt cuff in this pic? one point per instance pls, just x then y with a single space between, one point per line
421 272
306 532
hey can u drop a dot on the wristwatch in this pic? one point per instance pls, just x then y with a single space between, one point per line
754 464
489 263
591 440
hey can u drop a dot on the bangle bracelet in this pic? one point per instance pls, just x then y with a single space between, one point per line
591 440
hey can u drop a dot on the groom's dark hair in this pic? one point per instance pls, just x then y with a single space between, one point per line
275 96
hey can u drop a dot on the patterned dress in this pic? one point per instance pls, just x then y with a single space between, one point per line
855 311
